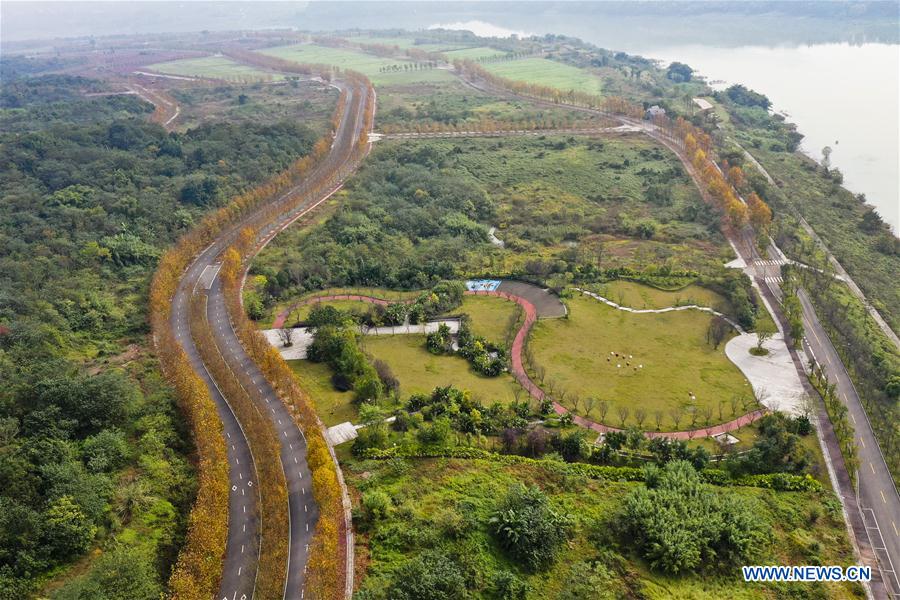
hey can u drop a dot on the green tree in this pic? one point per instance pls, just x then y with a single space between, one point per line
679 524
66 531
529 528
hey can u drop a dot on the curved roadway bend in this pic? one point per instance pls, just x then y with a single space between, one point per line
242 548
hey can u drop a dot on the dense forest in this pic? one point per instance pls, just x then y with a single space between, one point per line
92 451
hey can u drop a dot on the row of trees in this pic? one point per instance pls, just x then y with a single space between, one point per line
325 572
199 565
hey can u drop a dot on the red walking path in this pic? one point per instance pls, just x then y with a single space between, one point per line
521 375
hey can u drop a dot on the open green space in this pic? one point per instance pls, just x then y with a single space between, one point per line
490 316
302 312
636 295
420 371
401 42
380 70
332 406
575 355
543 71
474 53
214 67
306 102
411 508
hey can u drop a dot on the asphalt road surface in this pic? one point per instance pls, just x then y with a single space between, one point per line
242 548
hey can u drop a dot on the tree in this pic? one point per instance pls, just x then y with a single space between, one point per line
66 530
528 528
764 332
679 72
717 331
679 524
286 335
623 414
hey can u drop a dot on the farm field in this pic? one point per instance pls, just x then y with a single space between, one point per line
214 67
368 64
547 72
474 53
400 42
420 371
444 505
677 361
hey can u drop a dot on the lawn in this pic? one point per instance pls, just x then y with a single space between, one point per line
332 406
672 347
446 504
547 72
420 371
637 295
368 64
490 316
214 67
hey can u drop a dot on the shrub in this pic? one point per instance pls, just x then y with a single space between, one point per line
433 575
528 528
678 523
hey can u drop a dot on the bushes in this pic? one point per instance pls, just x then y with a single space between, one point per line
775 481
528 528
678 524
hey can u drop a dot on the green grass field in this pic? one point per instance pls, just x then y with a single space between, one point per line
214 67
636 295
368 64
671 347
332 406
420 371
547 72
446 504
490 316
474 53
400 42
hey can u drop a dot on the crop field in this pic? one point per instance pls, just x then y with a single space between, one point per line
400 42
419 371
663 359
429 498
474 53
547 72
368 64
214 67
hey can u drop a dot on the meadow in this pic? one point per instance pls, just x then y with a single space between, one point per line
543 71
214 67
676 360
368 64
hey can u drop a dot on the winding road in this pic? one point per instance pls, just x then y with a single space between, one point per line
201 277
